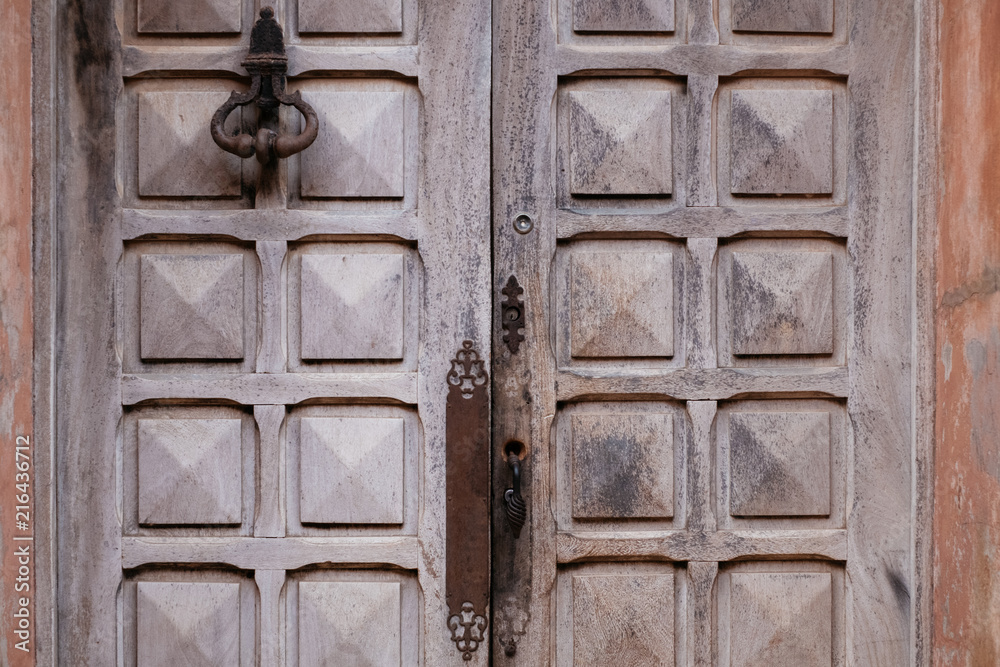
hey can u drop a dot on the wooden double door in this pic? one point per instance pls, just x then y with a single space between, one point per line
676 234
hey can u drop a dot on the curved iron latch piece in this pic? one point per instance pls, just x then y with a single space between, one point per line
517 509
467 487
267 64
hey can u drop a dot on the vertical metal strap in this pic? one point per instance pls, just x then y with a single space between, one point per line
467 583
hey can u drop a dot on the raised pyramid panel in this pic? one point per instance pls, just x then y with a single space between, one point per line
350 622
781 142
350 16
621 304
177 156
190 471
191 306
352 306
359 152
188 623
800 16
623 619
620 142
622 466
623 16
189 16
782 303
780 618
351 470
779 463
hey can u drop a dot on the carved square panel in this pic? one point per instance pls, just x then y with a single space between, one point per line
347 16
190 471
782 303
188 623
803 16
781 618
623 619
351 470
621 304
349 623
779 463
352 306
620 142
359 152
623 15
781 142
190 16
176 154
623 466
191 306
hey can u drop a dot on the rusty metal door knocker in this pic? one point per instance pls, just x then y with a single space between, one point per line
267 63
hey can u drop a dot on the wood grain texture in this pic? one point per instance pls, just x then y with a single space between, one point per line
813 428
87 401
620 142
623 619
780 463
351 470
704 384
780 619
364 617
782 303
356 619
746 101
621 305
191 307
782 142
189 471
271 482
189 16
351 307
627 16
623 466
272 640
290 553
258 388
613 312
363 16
445 161
171 134
781 613
199 302
777 16
362 151
880 402
197 623
268 225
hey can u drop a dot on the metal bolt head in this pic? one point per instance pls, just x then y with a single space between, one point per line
523 224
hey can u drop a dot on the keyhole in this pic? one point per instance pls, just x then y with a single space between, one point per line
513 314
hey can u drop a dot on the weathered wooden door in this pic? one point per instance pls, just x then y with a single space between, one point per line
709 208
701 333
253 362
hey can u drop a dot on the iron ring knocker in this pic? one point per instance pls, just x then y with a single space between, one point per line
267 65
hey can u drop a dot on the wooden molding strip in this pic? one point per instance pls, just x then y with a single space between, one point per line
710 546
270 388
710 384
263 553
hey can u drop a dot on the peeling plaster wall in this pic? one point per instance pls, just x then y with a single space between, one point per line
966 573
